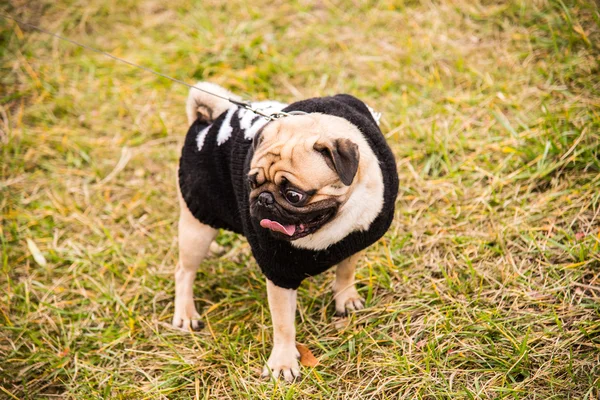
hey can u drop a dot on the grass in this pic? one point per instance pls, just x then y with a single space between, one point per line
487 286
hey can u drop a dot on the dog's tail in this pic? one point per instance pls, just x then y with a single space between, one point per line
206 107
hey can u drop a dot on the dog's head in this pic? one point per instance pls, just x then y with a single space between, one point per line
303 171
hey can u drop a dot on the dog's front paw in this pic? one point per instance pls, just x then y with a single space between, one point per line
348 300
283 360
187 319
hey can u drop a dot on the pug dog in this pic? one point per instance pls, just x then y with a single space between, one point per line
309 190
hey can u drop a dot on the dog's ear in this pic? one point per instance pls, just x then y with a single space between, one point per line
258 138
342 156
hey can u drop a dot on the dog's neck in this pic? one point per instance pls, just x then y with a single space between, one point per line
363 205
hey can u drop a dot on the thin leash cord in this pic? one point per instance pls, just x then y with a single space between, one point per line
245 104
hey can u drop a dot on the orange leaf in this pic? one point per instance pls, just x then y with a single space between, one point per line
306 357
64 352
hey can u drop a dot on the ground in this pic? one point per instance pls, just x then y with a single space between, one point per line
486 286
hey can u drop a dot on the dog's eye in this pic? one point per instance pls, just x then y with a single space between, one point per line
294 197
253 180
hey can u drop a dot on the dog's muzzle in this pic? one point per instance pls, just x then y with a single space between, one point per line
289 224
265 199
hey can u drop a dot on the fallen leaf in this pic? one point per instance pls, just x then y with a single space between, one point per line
64 352
36 253
306 357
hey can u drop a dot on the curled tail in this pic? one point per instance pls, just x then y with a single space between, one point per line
206 107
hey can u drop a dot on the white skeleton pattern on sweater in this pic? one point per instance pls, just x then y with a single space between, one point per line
248 121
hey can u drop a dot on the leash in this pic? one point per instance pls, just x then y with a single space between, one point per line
244 104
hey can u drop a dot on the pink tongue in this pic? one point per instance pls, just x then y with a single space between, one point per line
277 227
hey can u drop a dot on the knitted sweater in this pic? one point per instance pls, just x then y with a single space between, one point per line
213 180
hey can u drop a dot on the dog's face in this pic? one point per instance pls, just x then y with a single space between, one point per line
302 172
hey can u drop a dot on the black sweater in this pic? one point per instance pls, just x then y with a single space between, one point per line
213 179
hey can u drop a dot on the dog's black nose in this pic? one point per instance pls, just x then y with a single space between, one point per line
266 199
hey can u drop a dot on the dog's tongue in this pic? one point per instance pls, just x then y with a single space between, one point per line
277 227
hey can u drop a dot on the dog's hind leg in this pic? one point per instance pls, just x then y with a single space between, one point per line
344 290
194 242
